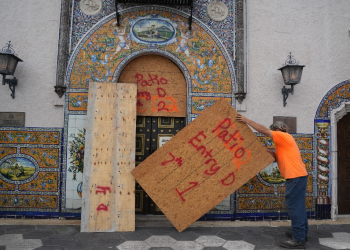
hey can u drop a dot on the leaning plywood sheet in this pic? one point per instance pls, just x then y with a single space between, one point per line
204 163
108 187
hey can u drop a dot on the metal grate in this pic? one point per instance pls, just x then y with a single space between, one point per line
160 2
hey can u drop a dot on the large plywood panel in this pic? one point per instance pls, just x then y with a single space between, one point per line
108 187
161 86
200 166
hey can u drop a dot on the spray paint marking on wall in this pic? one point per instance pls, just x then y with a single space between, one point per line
153 89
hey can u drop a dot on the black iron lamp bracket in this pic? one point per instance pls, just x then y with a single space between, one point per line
12 85
285 92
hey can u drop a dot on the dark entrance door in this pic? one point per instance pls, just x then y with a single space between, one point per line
344 165
152 133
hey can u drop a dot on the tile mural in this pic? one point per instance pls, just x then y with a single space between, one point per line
30 170
265 192
101 51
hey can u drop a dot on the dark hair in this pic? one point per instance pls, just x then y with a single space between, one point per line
281 126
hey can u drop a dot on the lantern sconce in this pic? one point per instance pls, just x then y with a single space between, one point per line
8 64
291 73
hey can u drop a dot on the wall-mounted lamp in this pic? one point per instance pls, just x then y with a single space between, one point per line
8 64
291 73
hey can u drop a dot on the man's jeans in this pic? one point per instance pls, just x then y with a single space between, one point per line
295 202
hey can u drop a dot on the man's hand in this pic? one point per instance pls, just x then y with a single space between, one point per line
241 118
258 127
272 153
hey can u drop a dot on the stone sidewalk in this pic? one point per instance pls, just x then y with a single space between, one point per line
156 232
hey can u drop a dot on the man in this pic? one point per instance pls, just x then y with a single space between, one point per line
292 168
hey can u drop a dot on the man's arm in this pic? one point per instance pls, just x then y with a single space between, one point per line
258 127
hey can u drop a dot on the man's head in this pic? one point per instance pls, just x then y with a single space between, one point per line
279 126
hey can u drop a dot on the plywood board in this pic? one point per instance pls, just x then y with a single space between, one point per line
201 165
161 86
108 203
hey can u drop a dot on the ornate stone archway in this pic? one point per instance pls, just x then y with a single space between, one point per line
334 105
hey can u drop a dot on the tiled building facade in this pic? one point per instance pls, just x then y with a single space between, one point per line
42 167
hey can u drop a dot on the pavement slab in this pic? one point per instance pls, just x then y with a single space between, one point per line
190 245
210 241
215 237
160 248
160 241
238 244
28 244
204 230
334 243
184 236
49 248
20 229
38 234
62 229
250 230
158 231
259 240
342 236
134 245
214 248
139 235
230 235
10 238
112 243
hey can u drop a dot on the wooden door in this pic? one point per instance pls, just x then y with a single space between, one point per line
151 134
161 110
344 165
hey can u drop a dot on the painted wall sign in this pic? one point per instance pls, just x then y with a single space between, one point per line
204 163
12 119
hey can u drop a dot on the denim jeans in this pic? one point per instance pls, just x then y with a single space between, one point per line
295 203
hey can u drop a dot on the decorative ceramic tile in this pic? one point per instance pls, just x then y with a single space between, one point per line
265 192
30 161
199 104
332 100
323 160
74 163
29 136
225 30
262 203
78 101
104 50
308 161
105 46
33 202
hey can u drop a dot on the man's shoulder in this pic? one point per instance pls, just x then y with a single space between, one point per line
280 134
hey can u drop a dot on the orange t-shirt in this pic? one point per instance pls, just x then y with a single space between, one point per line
288 156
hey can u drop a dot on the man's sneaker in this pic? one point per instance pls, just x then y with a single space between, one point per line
290 235
293 244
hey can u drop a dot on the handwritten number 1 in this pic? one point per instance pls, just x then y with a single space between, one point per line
180 194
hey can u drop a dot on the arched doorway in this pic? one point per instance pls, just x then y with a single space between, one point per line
339 134
343 141
161 111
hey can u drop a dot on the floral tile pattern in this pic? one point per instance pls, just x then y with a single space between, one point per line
265 192
102 50
30 166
